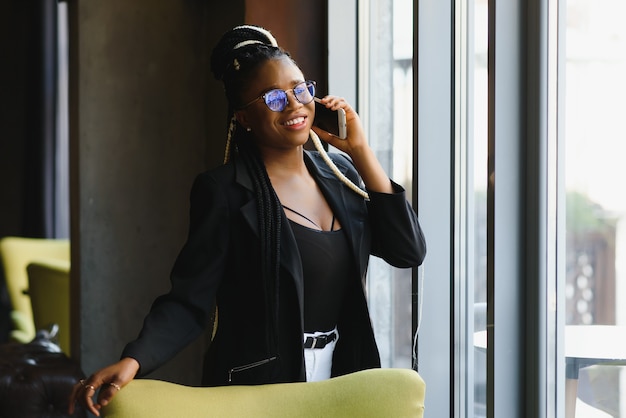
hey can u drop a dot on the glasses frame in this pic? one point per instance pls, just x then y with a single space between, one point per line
286 100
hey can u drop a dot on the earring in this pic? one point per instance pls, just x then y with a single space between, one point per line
249 129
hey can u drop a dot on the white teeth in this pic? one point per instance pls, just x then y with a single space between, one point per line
294 121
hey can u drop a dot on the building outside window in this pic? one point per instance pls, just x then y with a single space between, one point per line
593 111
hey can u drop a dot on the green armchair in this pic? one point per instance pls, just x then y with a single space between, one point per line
49 291
396 393
15 254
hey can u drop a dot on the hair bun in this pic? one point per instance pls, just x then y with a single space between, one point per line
239 37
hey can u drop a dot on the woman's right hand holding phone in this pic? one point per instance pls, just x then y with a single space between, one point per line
356 146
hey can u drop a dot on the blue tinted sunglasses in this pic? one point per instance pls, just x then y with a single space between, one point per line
276 99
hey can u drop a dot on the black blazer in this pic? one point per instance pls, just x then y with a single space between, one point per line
220 263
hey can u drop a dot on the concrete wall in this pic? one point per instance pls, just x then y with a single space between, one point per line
146 117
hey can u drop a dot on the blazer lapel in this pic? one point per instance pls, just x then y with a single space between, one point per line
289 254
248 210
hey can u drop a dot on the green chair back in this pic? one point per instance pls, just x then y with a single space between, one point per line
15 254
49 290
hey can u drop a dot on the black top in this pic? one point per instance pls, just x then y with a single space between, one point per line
327 266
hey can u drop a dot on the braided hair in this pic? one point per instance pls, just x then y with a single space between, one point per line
238 54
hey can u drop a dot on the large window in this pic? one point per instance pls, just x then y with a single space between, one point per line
517 110
572 216
487 197
383 95
386 104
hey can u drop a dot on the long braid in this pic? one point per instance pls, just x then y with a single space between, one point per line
320 149
238 54
269 213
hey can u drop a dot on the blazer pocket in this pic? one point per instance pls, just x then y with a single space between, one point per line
246 371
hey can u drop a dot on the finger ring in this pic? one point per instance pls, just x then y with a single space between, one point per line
92 387
82 382
115 385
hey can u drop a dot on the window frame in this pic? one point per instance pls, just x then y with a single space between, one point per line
524 210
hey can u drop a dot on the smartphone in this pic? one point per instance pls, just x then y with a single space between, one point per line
333 121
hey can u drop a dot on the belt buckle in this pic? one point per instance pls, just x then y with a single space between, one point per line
321 339
314 343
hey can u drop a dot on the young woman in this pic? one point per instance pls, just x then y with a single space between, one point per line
279 239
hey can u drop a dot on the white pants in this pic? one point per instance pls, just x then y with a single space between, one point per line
319 361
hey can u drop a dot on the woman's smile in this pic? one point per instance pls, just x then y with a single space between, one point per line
298 122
